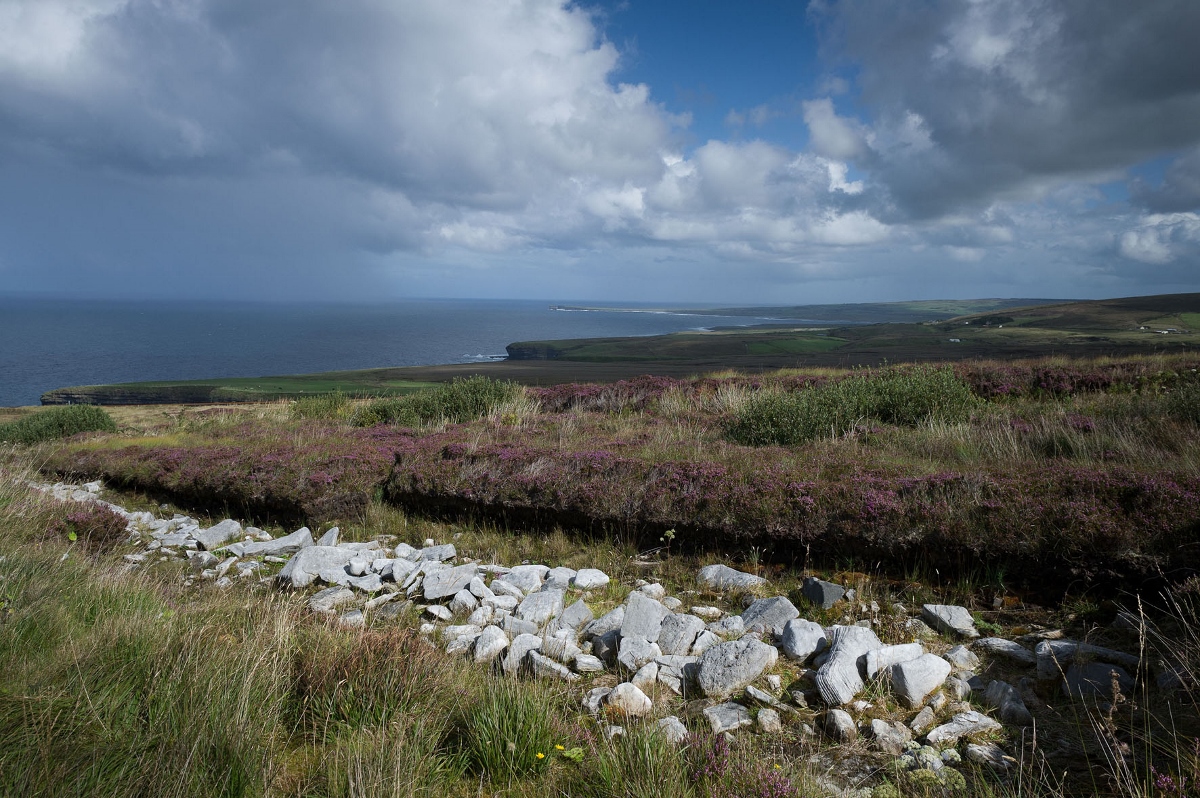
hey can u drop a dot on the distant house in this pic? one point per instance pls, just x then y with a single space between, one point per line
956 340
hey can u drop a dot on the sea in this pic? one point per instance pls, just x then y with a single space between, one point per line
57 343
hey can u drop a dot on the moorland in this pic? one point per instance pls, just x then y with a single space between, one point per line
1056 497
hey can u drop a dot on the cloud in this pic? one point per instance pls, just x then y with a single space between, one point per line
831 135
1180 188
1163 238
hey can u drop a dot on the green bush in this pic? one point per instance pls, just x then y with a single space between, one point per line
1183 401
462 399
901 396
331 406
57 422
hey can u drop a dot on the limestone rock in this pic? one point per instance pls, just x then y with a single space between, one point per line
628 699
437 553
889 738
1095 679
646 676
961 725
463 603
679 633
916 678
589 579
838 725
520 646
540 607
839 680
544 667
923 720
527 578
594 699
559 578
728 667
634 652
609 622
576 616
586 663
1010 650
707 613
772 613
654 590
312 561
218 535
727 717
950 619
991 755
802 639
769 721
279 547
722 577
672 729
881 659
962 657
324 602
823 594
643 618
448 581
329 537
733 626
1005 699
704 641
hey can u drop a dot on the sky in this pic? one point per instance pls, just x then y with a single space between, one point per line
717 151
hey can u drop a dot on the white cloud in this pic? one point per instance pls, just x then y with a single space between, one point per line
1163 238
831 135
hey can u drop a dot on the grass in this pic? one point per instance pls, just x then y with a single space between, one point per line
57 422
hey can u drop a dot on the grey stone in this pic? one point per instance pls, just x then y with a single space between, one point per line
544 667
438 613
490 644
646 676
406 552
560 649
839 680
518 626
354 619
772 613
559 578
286 545
594 699
722 577
727 717
464 602
961 657
437 553
218 535
889 738
672 729
643 617
880 659
587 663
481 616
1007 702
371 583
358 566
541 606
678 633
950 619
607 646
823 594
1090 679
520 646
958 689
728 667
305 565
763 698
329 538
964 724
991 755
609 622
1009 649
707 613
527 578
914 679
654 590
704 641
769 721
634 652
506 589
838 725
461 645
462 630
628 699
733 626
501 602
672 603
325 601
576 616
479 590
198 560
923 720
677 673
589 579
448 581
802 638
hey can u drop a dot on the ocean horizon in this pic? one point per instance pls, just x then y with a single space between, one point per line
48 343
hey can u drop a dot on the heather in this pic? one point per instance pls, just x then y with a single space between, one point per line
1090 470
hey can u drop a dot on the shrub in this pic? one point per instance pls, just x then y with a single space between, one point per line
904 397
94 526
462 399
1183 402
57 422
505 731
331 406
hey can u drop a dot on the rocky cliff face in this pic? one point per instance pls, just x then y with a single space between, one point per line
532 350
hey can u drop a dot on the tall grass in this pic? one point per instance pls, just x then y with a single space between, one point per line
57 422
462 399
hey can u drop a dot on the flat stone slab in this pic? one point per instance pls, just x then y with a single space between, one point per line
286 545
540 607
728 667
643 617
325 601
678 633
727 717
722 577
218 535
589 579
823 594
448 581
950 618
628 699
438 553
964 724
914 679
771 613
310 562
1009 649
526 578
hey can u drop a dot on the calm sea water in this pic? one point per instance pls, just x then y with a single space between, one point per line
47 344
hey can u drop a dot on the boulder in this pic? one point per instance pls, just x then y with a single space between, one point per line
964 724
769 721
634 652
727 717
279 547
218 535
672 729
540 607
707 613
1096 679
728 667
559 578
823 594
643 618
479 590
838 725
520 646
326 601
654 590
1008 649
628 699
437 553
312 561
463 603
722 577
679 633
527 578
839 680
962 658
329 537
890 738
575 616
1007 702
950 619
406 552
506 589
880 659
771 613
733 626
546 668
447 581
589 579
609 622
704 641
802 639
646 676
914 679
490 644
587 663
594 699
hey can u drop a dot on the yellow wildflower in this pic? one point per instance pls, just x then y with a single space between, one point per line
560 748
541 755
